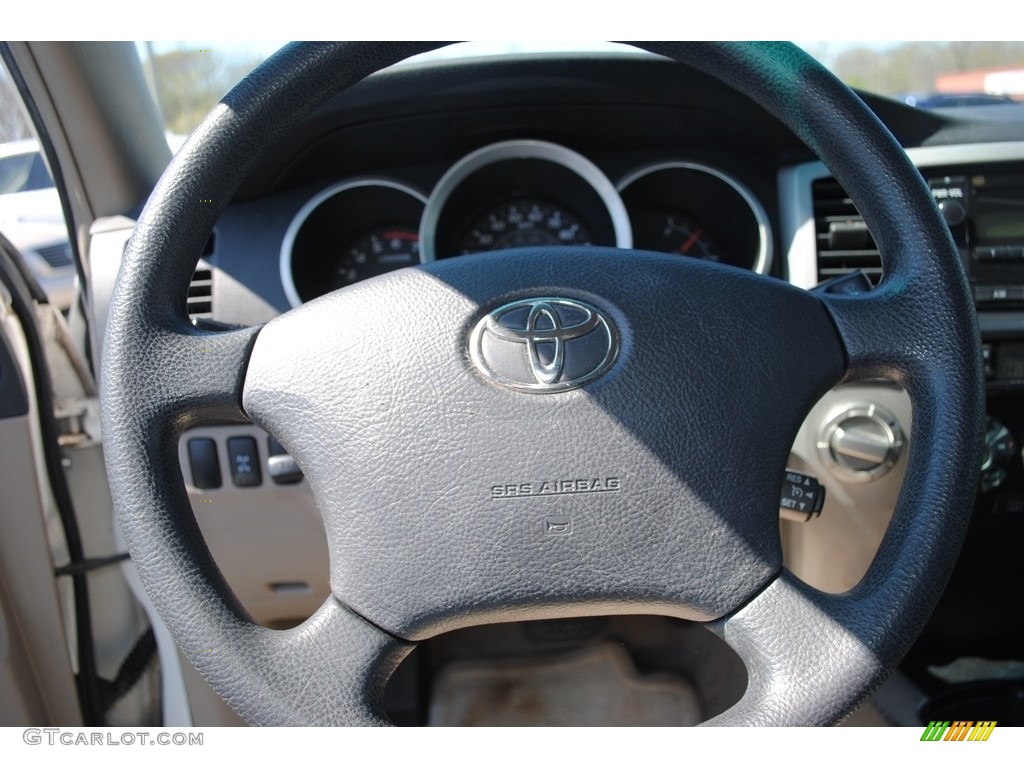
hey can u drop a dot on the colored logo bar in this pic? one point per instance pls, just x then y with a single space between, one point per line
958 730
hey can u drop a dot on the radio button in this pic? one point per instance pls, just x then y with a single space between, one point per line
986 359
1013 253
998 253
984 253
953 211
998 293
1004 252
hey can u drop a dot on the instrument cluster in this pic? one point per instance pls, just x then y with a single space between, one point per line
517 194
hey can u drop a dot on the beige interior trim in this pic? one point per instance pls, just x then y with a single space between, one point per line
34 624
832 552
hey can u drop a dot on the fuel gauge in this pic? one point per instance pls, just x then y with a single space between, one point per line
695 210
672 232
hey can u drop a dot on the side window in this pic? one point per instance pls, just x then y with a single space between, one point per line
14 124
22 168
14 173
39 174
31 216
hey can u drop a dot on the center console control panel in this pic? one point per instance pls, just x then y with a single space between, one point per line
985 214
984 208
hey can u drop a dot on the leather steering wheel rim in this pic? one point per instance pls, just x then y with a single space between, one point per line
811 657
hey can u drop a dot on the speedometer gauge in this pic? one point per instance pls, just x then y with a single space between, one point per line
522 223
376 252
522 193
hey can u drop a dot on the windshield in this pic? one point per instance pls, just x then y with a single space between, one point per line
929 74
189 77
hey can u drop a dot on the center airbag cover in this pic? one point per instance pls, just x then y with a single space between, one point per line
453 495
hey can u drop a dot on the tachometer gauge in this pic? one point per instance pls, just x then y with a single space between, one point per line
376 252
349 231
675 233
521 223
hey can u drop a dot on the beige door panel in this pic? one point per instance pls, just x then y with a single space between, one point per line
35 659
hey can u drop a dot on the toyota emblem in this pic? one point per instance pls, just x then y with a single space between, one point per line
544 345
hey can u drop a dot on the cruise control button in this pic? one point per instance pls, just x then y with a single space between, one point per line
202 459
245 462
803 497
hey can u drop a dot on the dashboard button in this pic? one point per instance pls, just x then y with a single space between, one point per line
986 359
953 212
999 253
281 467
998 293
984 253
245 462
1010 504
202 458
1013 253
1002 252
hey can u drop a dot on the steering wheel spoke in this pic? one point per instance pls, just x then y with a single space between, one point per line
330 670
811 657
880 343
173 373
204 372
865 326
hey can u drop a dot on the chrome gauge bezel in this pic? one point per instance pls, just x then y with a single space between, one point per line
521 149
763 258
307 209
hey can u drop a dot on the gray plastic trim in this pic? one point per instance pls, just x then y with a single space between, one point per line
763 260
107 240
796 207
523 149
287 281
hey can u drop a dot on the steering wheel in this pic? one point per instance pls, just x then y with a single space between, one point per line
525 434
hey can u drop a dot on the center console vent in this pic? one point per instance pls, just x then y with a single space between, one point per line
844 244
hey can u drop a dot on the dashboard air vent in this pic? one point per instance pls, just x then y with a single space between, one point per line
57 256
844 244
200 293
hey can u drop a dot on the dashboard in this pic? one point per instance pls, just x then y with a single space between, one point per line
450 160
